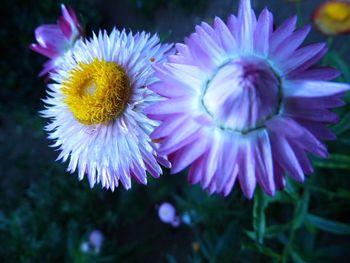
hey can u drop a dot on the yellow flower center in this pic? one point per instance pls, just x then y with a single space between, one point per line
337 11
96 92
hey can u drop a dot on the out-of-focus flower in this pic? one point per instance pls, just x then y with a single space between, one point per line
186 219
55 40
166 213
85 247
96 239
176 222
196 247
245 102
333 17
96 108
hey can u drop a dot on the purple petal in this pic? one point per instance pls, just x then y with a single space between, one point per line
316 73
170 106
301 56
47 52
313 89
247 19
287 47
282 32
196 171
286 157
169 125
228 41
265 164
307 64
50 36
247 168
185 156
262 33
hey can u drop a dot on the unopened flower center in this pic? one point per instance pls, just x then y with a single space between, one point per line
242 94
96 92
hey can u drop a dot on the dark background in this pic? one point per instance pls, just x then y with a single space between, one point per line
46 214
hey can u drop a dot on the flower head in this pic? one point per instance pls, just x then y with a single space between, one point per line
96 239
333 17
55 40
244 102
166 212
96 108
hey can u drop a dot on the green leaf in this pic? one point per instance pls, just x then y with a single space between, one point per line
275 230
259 219
337 60
343 125
328 225
335 161
301 210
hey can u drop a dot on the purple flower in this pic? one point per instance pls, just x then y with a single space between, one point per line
167 213
244 102
55 40
176 222
96 239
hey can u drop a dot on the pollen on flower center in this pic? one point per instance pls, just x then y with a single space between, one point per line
242 94
96 92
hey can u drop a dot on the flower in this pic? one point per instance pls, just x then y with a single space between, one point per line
96 108
166 212
244 101
96 239
333 17
55 40
176 222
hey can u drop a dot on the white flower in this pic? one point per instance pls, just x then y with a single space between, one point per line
96 108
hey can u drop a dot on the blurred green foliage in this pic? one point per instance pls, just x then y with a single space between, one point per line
149 7
46 215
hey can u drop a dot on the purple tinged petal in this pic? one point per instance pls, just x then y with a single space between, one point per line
282 32
65 27
247 19
47 52
284 126
187 132
262 33
313 89
184 157
230 183
228 41
319 115
227 163
170 106
168 126
287 47
319 130
297 134
233 26
316 73
208 45
170 90
307 64
301 56
307 104
50 36
196 171
247 169
286 157
265 161
211 161
304 161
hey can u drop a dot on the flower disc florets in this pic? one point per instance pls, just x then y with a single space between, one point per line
97 92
